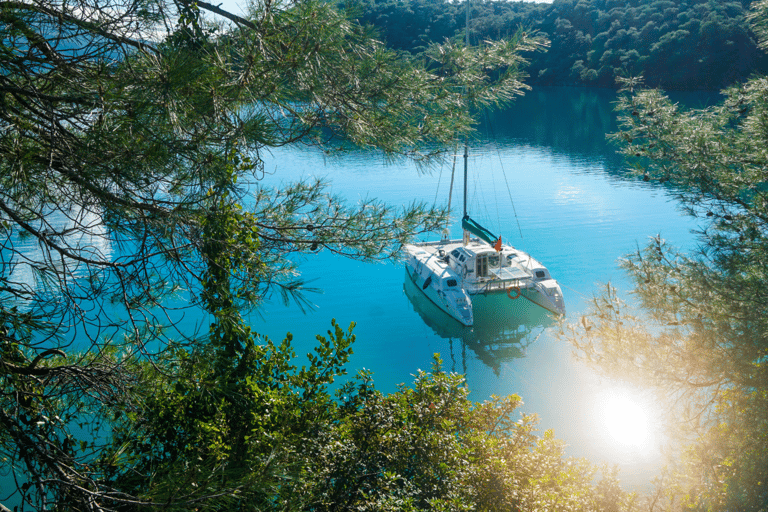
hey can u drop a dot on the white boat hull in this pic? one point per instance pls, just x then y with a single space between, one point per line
440 285
482 269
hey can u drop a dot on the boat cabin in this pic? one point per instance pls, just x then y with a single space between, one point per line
480 262
475 263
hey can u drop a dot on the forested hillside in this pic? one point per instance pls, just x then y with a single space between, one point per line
694 44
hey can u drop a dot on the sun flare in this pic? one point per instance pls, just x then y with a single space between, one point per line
626 420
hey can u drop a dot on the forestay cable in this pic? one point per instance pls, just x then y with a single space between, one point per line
503 172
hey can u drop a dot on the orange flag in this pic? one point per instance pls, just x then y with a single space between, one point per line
498 245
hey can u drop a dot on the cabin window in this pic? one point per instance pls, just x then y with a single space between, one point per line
540 274
451 282
455 253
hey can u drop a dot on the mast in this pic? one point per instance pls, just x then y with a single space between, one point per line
465 238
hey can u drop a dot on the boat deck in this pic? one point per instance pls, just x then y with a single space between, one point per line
499 279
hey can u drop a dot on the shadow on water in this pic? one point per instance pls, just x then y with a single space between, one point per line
501 332
569 121
573 121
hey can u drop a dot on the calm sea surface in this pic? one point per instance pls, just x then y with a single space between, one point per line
542 176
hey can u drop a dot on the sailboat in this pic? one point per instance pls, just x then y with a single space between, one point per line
451 272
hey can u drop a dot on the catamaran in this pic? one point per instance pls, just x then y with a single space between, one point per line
451 272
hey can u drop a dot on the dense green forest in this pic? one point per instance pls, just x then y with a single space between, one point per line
684 45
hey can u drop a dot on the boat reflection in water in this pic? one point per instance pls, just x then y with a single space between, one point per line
500 333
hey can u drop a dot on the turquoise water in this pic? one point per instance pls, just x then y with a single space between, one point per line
543 169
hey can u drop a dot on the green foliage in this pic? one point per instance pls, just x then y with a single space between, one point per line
224 427
425 447
697 329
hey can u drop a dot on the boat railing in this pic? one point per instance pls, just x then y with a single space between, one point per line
498 285
434 243
445 241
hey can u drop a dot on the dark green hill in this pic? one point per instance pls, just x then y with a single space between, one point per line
673 44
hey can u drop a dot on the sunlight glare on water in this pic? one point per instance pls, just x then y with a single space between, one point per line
627 418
